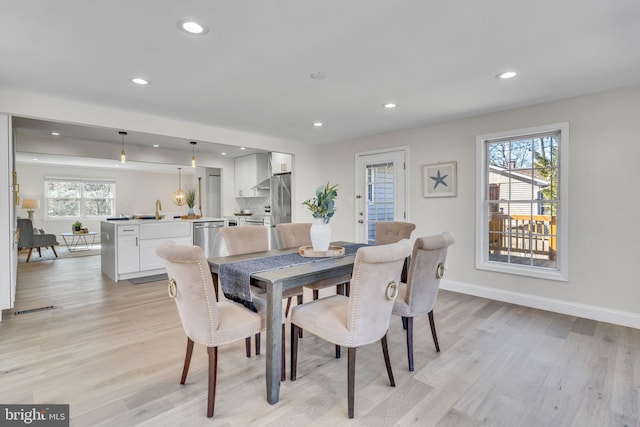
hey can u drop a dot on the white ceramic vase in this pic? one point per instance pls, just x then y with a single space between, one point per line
320 235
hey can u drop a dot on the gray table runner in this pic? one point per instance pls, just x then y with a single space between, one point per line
235 277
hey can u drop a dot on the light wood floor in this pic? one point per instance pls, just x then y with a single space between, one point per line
114 352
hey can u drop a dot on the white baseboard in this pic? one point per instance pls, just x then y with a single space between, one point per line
593 312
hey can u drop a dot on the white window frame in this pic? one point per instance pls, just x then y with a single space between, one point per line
82 181
560 272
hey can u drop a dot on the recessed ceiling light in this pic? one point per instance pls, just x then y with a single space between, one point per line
35 159
389 105
318 124
243 148
192 27
55 133
223 153
139 81
155 146
319 75
506 75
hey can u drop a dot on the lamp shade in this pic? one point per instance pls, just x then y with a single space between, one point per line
30 204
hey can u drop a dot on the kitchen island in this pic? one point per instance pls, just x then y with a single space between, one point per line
129 246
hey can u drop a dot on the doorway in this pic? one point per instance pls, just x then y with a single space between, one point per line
380 190
214 193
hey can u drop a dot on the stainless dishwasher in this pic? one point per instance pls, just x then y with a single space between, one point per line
206 235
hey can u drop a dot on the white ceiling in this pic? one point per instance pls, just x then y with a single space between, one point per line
436 59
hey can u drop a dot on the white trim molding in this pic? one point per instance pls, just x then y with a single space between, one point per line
602 314
561 271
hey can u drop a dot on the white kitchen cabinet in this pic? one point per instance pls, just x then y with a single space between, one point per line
250 171
280 163
128 249
155 233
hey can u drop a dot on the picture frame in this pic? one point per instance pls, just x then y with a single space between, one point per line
439 179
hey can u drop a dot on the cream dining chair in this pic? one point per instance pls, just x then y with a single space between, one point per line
248 239
204 320
361 318
294 235
393 231
418 296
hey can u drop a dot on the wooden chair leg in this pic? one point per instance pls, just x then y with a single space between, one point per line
337 351
247 346
387 361
215 285
300 301
294 351
257 344
53 248
410 342
187 361
283 364
29 254
286 310
432 322
351 378
213 374
39 251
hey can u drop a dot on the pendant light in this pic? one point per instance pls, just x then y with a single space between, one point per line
123 155
177 197
193 151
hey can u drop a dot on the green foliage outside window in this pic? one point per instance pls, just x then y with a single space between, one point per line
78 198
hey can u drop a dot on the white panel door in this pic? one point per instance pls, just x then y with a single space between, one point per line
380 191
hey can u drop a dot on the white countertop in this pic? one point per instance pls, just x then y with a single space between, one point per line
164 220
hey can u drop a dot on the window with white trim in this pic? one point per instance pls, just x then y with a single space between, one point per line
521 212
76 198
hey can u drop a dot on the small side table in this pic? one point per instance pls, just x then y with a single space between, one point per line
79 241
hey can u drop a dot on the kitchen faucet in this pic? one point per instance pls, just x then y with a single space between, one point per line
158 208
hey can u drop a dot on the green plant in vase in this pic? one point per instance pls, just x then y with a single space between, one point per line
322 207
190 199
77 226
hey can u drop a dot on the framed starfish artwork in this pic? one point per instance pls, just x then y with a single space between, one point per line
439 180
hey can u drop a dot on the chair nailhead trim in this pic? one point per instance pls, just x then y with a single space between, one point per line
207 297
353 293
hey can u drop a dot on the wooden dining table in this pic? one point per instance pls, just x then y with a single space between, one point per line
275 282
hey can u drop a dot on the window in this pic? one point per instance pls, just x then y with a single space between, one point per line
380 197
521 202
67 198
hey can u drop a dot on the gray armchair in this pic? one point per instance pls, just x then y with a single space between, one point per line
30 240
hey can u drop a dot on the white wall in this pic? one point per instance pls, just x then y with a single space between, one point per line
604 201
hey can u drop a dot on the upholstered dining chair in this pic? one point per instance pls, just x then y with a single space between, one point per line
248 239
30 240
393 231
204 320
294 235
418 296
362 317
